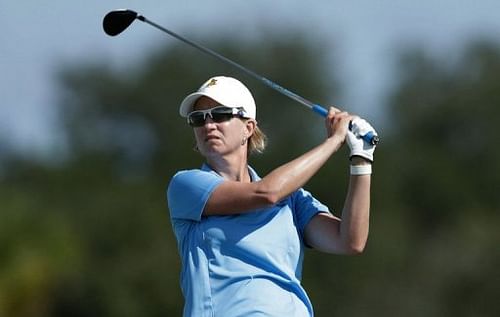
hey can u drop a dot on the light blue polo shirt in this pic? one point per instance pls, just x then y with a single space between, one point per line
248 264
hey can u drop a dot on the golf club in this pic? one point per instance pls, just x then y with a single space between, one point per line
117 21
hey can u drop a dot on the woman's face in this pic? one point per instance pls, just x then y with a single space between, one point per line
220 138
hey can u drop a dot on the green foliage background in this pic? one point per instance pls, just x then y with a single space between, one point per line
90 234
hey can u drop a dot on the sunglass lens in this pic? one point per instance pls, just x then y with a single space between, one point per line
221 117
218 115
197 119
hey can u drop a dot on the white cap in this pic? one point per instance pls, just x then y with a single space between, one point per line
226 91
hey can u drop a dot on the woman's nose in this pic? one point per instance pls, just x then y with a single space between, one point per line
209 122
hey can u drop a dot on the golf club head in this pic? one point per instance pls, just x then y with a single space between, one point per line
117 21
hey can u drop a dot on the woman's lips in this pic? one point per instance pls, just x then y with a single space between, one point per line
211 137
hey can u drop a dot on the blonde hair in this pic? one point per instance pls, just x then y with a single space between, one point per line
257 141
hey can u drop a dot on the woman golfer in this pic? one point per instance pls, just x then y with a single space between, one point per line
241 237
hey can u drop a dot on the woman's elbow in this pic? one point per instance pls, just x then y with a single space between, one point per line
355 248
268 196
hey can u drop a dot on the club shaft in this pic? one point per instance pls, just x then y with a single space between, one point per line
369 137
208 51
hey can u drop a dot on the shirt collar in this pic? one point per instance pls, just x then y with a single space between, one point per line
253 174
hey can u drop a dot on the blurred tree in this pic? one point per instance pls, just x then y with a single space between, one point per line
131 115
434 242
103 212
91 237
448 114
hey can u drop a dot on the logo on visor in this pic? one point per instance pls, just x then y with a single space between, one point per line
212 82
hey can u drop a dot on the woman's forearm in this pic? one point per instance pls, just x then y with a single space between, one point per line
233 197
287 178
356 213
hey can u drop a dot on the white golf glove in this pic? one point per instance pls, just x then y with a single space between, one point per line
357 145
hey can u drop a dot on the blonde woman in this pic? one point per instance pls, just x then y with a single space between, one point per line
241 237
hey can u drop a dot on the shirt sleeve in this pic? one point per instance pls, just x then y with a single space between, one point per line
305 207
188 192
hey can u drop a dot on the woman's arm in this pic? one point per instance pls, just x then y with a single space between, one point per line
233 197
348 234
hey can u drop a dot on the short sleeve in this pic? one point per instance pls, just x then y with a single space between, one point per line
305 207
189 191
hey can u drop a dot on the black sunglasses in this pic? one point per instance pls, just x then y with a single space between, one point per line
218 114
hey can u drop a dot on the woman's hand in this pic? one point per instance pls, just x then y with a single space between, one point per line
337 124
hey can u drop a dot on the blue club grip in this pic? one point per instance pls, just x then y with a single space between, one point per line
320 110
369 137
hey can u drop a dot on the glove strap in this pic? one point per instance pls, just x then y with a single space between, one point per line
361 169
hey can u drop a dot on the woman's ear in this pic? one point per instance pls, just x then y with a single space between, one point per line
250 125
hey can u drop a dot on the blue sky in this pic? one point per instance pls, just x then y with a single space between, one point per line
37 36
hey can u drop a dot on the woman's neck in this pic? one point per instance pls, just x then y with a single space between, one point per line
233 167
